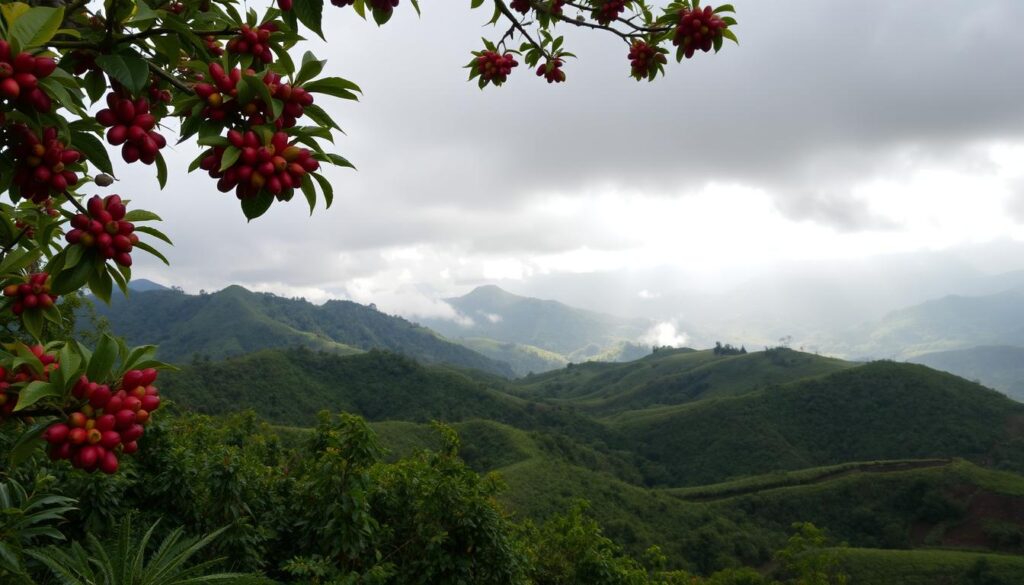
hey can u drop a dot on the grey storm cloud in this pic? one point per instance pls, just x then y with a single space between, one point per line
821 94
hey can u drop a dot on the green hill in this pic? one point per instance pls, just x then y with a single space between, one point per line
502 316
235 321
290 386
996 366
674 376
524 359
880 410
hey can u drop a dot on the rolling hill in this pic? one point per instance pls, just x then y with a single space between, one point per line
879 410
235 321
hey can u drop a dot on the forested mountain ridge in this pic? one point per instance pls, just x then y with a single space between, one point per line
235 321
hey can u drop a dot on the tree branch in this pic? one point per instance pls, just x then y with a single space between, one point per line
518 26
76 203
159 72
11 246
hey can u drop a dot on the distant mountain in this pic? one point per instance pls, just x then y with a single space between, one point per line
949 323
524 359
996 366
145 285
234 321
576 334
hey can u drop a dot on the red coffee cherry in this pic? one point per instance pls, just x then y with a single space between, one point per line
104 230
698 30
645 60
31 295
494 67
42 164
552 70
275 166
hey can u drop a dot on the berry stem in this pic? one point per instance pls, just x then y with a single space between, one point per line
75 202
177 83
14 243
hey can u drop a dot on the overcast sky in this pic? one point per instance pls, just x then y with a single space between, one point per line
838 132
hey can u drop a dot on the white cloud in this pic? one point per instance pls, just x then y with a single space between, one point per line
664 334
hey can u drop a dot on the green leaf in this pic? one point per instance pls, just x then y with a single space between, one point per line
93 150
325 187
730 35
381 17
128 69
35 27
254 207
310 13
335 86
146 247
13 11
72 278
28 442
161 170
141 215
102 359
311 67
310 192
101 284
35 392
32 319
230 157
145 229
70 361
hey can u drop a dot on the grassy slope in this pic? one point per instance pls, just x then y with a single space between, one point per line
930 567
876 411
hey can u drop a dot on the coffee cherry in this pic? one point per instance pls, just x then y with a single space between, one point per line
33 294
131 127
552 70
42 164
698 29
276 166
493 67
19 78
645 60
255 42
609 10
104 230
284 5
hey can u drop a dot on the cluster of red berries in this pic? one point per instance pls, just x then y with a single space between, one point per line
176 8
131 127
41 164
275 166
644 59
607 11
254 41
22 374
219 109
33 294
214 46
697 30
552 70
20 75
157 95
495 67
108 422
105 229
296 100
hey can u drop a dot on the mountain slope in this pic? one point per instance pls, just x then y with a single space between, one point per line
234 321
875 411
503 316
996 366
952 322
